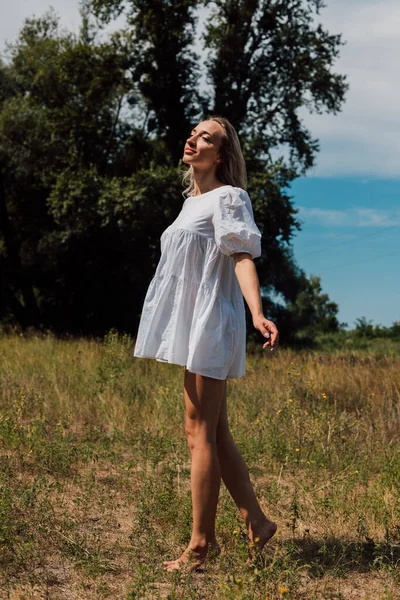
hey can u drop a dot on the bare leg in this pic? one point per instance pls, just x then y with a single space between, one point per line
203 398
235 475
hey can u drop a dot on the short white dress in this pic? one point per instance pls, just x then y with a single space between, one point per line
193 312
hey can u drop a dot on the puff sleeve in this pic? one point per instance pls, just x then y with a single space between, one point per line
234 226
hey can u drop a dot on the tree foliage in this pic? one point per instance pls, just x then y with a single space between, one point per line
92 130
310 313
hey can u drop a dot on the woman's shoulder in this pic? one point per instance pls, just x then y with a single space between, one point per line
235 195
232 190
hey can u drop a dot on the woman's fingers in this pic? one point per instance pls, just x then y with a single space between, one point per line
272 334
267 343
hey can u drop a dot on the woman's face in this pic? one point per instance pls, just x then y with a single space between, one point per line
203 145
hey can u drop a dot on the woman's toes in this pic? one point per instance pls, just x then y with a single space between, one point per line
173 565
178 565
192 559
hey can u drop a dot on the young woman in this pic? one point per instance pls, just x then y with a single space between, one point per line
194 315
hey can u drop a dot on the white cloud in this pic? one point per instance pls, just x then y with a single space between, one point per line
323 216
339 236
364 138
17 11
355 217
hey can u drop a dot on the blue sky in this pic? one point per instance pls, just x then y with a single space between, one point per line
351 239
349 203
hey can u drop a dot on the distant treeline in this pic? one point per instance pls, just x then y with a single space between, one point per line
377 339
91 136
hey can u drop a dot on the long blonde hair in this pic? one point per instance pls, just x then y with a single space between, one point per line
232 168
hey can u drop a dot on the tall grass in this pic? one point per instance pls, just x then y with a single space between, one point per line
94 475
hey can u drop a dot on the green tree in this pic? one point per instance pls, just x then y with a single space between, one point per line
91 133
59 126
164 68
311 313
268 60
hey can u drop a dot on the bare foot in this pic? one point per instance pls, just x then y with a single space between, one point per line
259 535
193 557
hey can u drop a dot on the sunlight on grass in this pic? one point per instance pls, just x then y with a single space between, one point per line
94 478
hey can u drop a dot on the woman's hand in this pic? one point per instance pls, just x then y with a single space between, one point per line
268 329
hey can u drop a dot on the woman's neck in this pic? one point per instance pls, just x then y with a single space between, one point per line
205 182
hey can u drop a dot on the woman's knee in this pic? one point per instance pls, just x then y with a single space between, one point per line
199 434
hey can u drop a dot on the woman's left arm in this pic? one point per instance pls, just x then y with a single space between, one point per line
247 277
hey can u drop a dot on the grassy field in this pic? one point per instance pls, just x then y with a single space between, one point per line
94 475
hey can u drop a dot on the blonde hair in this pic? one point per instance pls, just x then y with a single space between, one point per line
232 168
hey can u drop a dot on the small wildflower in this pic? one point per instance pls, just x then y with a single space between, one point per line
290 400
257 539
308 462
235 532
356 472
278 411
238 580
297 449
283 590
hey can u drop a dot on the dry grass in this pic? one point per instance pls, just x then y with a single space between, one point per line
94 475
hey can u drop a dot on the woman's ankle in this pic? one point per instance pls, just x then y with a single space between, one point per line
202 542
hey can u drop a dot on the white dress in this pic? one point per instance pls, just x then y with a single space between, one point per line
193 312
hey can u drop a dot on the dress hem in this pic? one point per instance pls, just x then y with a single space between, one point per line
197 372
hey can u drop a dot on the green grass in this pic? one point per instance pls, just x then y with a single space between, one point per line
94 474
